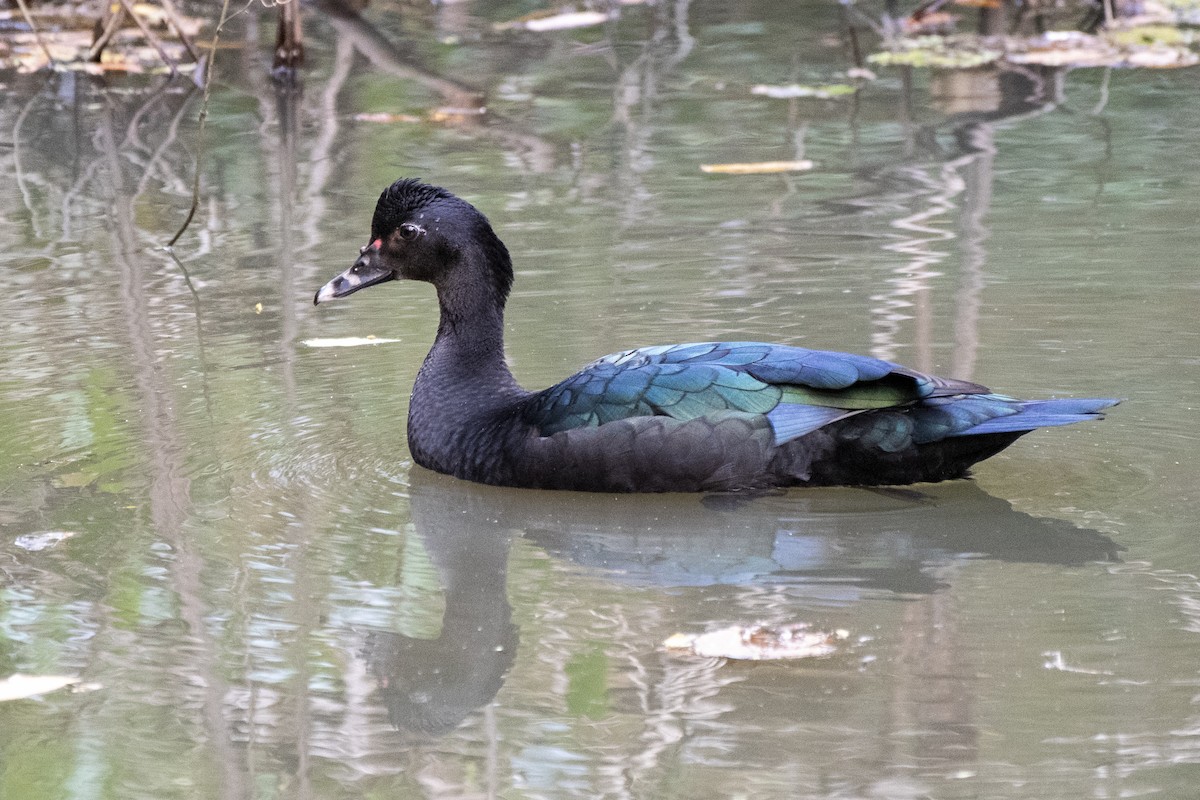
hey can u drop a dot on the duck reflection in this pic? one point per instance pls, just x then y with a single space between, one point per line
847 543
430 685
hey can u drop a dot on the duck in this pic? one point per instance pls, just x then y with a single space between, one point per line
696 417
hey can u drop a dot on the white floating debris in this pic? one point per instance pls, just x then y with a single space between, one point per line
19 687
347 341
43 540
567 21
795 90
759 642
757 167
1055 661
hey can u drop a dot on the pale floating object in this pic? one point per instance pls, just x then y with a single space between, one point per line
347 341
567 20
1055 661
795 90
759 642
20 687
383 117
1162 58
456 113
43 540
757 167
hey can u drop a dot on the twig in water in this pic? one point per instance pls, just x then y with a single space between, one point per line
208 70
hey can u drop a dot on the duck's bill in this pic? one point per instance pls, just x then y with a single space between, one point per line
363 274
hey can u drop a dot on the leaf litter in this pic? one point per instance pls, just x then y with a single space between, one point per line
1156 46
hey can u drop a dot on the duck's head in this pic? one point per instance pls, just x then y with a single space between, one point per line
425 233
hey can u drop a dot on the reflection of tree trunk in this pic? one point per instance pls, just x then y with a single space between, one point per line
169 488
977 200
305 613
993 21
931 701
289 40
287 107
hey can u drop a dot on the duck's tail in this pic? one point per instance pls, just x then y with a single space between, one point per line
1045 414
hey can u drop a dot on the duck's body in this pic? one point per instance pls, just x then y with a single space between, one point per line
714 416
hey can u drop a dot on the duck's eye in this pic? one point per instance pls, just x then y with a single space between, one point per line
408 231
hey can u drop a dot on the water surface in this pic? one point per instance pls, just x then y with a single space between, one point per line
276 603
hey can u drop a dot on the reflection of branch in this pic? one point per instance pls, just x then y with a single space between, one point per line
150 37
17 170
168 7
36 33
913 278
635 96
168 140
321 155
113 22
200 353
382 52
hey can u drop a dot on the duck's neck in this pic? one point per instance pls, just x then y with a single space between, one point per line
465 398
469 348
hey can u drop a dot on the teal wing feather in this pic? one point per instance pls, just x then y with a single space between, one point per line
799 390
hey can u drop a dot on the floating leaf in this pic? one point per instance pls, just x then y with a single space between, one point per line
347 341
948 52
757 167
1162 58
384 117
759 642
1148 35
456 113
566 20
796 90
1136 47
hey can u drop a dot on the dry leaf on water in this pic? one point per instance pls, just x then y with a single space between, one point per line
757 167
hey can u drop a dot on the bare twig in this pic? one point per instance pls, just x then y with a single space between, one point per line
208 71
36 33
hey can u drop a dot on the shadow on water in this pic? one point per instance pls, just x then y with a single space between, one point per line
843 544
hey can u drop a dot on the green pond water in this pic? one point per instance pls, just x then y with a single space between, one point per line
213 521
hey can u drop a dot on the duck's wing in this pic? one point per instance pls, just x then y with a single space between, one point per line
795 389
